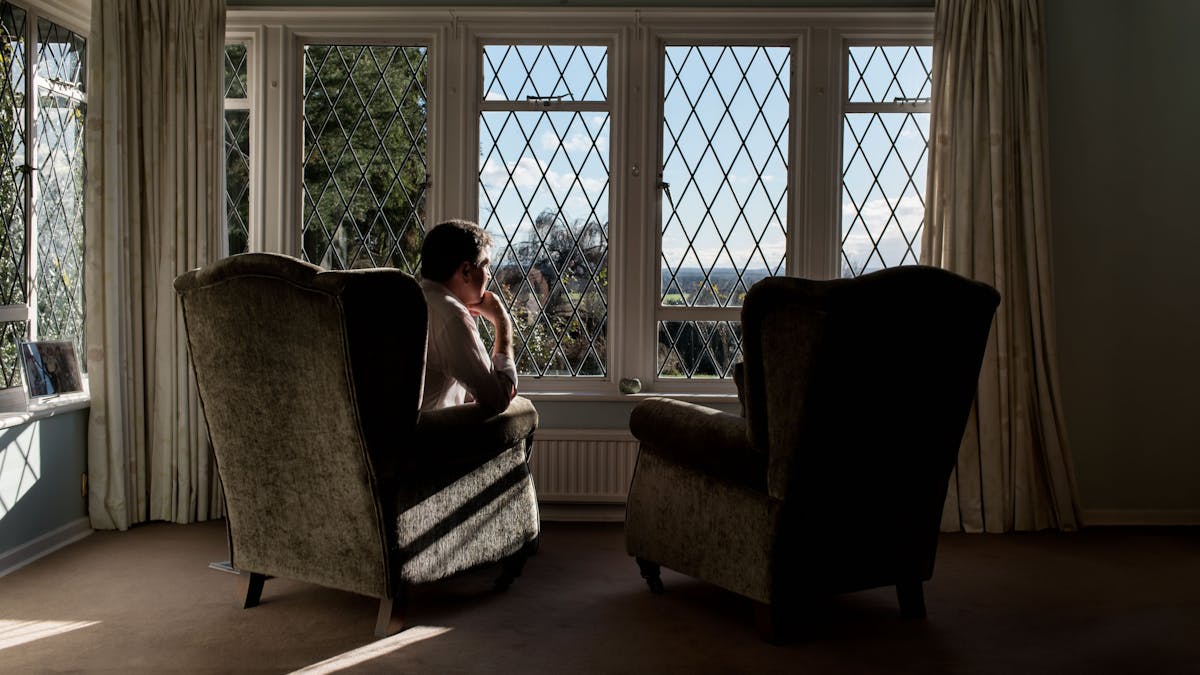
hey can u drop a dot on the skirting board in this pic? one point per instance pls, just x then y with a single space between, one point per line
1141 517
11 561
581 513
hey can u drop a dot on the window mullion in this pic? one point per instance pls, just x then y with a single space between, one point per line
815 242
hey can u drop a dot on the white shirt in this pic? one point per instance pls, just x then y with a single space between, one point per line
458 368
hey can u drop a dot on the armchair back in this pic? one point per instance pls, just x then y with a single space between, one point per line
859 391
307 379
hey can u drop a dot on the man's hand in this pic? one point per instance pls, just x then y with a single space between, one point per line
491 309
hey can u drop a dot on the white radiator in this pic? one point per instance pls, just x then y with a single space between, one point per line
582 466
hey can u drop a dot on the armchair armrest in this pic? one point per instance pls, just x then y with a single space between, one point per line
470 430
703 438
453 442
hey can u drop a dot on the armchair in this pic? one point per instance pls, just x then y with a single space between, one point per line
855 395
310 382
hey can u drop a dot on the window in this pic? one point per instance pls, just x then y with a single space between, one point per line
638 170
543 196
42 107
364 155
725 153
885 143
237 148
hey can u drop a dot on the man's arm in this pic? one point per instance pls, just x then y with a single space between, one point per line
493 382
493 311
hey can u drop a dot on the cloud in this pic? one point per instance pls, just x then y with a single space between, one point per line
881 230
675 248
527 175
573 143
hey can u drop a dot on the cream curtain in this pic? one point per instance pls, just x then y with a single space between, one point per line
154 209
989 219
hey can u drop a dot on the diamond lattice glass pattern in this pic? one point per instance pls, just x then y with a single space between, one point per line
58 204
698 349
12 145
11 335
725 124
364 156
235 70
237 179
237 151
884 165
882 74
544 185
561 72
724 206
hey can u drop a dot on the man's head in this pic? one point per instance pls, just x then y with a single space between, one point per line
456 254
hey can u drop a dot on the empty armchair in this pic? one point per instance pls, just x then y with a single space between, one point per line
855 394
311 383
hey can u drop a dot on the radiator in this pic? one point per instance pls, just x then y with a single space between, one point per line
582 467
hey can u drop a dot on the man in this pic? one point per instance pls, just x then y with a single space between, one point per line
455 267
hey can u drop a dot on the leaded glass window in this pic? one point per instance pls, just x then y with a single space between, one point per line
365 155
13 185
885 141
544 198
58 198
725 134
237 148
41 248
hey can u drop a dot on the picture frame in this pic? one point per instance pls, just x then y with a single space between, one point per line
51 368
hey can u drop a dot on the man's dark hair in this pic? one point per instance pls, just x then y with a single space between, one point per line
449 245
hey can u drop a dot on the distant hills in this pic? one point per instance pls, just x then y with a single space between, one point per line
725 278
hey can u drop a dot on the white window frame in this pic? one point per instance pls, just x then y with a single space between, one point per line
455 39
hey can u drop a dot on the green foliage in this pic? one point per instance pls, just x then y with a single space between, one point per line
12 202
365 148
557 294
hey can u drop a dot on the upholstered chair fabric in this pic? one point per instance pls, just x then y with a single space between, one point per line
310 383
855 395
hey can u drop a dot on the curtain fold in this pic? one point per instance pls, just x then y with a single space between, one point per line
989 219
153 210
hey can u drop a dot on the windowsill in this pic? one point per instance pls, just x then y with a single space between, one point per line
46 408
580 397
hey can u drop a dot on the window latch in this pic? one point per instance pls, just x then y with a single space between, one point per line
666 188
545 100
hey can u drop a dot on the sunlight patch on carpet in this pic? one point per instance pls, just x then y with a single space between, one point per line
14 632
374 650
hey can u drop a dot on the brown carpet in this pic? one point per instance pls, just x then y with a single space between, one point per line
1099 601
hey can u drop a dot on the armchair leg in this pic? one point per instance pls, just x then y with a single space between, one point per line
912 600
768 622
512 566
251 588
390 619
650 572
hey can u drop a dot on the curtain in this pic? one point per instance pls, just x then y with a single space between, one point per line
989 219
153 210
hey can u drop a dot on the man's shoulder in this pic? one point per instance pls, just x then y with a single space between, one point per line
441 301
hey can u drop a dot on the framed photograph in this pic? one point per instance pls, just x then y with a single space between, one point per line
51 368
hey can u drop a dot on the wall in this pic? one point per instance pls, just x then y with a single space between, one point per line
41 463
1125 152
